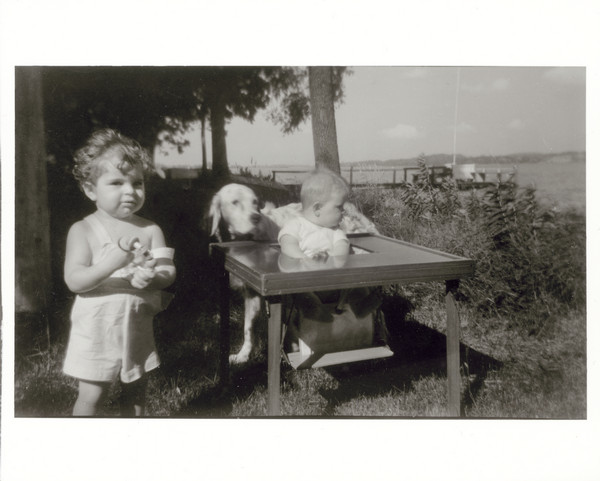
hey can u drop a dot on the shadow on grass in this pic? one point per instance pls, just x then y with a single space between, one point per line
217 400
419 352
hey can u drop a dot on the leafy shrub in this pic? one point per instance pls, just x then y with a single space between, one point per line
530 261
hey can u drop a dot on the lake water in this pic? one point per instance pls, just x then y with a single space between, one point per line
560 184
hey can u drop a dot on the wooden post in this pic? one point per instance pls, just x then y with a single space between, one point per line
394 179
351 176
453 348
274 357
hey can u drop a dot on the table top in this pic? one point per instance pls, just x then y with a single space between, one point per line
377 260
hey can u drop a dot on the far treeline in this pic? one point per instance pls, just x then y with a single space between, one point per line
512 159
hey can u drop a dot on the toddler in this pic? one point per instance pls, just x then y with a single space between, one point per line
117 263
316 235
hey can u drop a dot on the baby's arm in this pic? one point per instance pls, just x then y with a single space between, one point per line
80 275
291 247
341 247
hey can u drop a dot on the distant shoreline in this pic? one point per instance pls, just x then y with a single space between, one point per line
430 160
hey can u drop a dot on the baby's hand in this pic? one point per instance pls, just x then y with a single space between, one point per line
320 256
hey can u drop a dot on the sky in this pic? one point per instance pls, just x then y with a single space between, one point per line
400 112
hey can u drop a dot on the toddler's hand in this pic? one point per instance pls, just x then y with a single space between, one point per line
117 258
142 276
141 255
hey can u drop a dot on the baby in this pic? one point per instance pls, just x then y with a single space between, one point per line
316 234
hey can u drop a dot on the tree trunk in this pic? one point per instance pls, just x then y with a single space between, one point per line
323 118
203 139
32 220
219 147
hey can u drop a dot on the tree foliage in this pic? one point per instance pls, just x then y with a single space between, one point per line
140 102
294 96
145 102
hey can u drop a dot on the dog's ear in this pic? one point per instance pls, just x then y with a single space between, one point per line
215 213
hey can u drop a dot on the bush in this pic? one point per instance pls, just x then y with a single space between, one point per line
530 261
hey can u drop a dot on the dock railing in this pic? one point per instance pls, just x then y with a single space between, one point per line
361 177
465 175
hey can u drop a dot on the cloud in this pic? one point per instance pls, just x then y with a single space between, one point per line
516 124
565 75
401 131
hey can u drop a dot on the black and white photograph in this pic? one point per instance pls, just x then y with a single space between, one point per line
298 252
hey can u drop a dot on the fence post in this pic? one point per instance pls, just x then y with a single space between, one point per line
351 167
394 179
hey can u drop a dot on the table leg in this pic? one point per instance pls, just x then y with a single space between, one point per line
274 357
453 348
224 328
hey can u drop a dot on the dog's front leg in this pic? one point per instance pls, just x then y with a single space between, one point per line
251 310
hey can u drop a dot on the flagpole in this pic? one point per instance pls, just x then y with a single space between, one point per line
456 115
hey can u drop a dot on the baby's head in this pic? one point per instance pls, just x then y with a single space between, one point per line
323 194
108 145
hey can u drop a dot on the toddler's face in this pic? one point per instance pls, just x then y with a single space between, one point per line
331 211
119 193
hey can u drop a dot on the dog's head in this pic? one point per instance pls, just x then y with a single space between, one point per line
236 207
235 215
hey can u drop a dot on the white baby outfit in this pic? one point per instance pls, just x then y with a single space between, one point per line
112 327
312 239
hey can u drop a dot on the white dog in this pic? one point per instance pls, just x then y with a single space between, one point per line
235 214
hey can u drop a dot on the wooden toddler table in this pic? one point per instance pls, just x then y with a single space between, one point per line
383 261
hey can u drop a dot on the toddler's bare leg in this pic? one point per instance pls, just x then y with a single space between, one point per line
133 398
90 398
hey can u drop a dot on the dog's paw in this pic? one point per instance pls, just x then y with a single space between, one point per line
239 358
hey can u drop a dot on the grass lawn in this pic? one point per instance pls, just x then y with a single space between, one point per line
505 374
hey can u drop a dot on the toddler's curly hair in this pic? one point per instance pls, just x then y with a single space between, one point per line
86 158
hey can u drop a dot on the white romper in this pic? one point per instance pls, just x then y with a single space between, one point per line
112 328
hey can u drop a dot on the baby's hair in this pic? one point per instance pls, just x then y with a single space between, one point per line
99 143
320 185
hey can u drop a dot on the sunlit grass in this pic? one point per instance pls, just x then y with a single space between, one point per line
538 378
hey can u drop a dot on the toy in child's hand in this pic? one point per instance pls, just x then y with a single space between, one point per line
141 255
